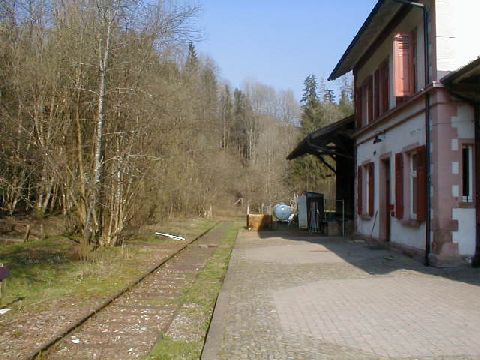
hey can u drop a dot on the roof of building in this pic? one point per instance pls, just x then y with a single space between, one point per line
465 82
329 140
381 15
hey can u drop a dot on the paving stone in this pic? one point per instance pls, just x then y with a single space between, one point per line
291 296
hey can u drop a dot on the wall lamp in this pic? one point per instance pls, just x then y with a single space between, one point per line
378 138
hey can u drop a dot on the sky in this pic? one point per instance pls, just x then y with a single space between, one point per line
278 42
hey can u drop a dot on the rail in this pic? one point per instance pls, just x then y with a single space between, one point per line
45 347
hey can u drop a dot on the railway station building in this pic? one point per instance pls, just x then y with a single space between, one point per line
416 134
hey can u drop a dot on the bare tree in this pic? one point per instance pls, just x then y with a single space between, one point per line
110 118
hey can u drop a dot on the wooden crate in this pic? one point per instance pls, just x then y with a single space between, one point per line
259 222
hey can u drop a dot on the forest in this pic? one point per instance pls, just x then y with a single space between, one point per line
110 118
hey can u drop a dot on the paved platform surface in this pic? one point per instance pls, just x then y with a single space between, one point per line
291 296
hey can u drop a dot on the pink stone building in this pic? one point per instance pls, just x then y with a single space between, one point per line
417 86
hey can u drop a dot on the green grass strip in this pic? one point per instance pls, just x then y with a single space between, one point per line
201 296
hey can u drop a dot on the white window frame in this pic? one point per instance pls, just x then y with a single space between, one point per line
413 173
469 196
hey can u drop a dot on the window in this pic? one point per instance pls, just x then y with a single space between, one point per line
376 111
399 209
384 86
366 106
404 48
381 93
358 107
467 173
364 103
366 189
411 200
413 186
372 97
360 190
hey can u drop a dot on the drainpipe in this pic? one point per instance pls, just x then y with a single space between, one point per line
476 257
428 144
427 137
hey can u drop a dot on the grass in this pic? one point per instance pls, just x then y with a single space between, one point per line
202 294
46 270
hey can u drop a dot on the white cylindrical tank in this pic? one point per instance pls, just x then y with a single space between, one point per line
282 211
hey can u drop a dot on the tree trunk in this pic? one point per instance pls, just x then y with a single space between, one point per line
94 228
81 168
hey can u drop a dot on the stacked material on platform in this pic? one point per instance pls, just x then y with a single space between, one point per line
259 222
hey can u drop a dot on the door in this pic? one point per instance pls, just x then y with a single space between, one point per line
302 212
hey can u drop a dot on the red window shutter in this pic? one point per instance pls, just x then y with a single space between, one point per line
399 186
402 48
412 62
358 107
385 73
371 189
421 184
359 190
370 98
376 112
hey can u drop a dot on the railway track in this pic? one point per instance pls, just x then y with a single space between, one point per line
127 325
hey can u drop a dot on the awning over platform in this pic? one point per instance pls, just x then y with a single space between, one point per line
465 82
334 140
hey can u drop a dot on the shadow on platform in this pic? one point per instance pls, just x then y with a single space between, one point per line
374 259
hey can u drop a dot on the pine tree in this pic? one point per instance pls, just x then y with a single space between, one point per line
191 64
310 106
319 109
345 103
310 95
